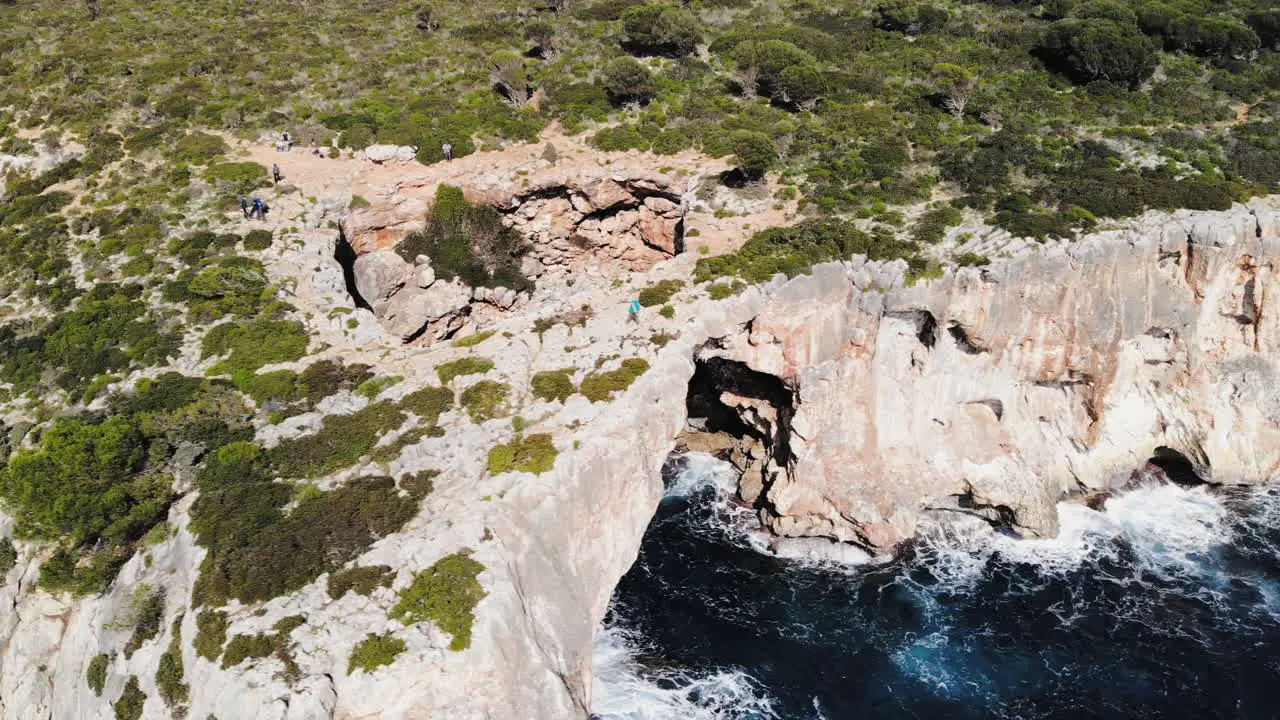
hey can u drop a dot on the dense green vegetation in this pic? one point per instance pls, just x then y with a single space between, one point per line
362 579
170 671
8 558
601 386
486 400
96 674
375 651
553 385
659 293
469 242
211 634
533 454
445 593
131 702
147 609
463 366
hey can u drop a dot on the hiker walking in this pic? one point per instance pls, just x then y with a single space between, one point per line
259 208
633 312
447 149
244 207
275 173
286 141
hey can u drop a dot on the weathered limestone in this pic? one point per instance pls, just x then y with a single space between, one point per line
870 403
631 216
1005 387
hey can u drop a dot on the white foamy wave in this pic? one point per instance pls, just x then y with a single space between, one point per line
624 689
1168 528
698 470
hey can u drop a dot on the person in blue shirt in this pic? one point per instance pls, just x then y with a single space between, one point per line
634 314
244 207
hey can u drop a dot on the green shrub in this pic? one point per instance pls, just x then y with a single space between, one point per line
373 387
8 558
553 385
420 484
280 386
600 386
258 552
533 454
328 377
723 290
468 242
170 671
85 481
473 340
341 441
211 634
257 239
391 451
361 579
445 593
286 625
971 259
147 608
247 647
255 343
486 400
238 178
463 366
659 293
131 702
199 148
667 312
662 29
931 227
660 340
96 675
375 651
796 249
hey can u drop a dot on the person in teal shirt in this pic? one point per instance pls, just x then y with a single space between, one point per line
634 315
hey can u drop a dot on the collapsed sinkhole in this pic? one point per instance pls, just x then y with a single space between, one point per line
345 255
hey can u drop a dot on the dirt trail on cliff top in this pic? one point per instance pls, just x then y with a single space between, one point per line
318 177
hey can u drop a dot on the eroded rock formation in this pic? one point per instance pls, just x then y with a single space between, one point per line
995 391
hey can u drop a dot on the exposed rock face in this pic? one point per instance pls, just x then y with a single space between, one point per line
994 391
864 402
628 215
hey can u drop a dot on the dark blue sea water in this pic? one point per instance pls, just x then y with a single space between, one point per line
1164 605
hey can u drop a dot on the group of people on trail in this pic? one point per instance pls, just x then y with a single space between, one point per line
257 208
285 143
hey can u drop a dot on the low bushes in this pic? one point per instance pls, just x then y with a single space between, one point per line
428 403
486 400
96 674
659 293
468 242
169 672
360 579
463 366
237 178
599 386
553 385
534 454
148 611
258 552
445 593
211 634
794 250
258 239
375 651
255 343
131 702
473 340
247 647
341 441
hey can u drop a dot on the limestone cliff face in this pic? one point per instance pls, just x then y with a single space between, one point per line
989 391
997 390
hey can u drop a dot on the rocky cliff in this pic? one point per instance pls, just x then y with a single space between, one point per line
862 404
